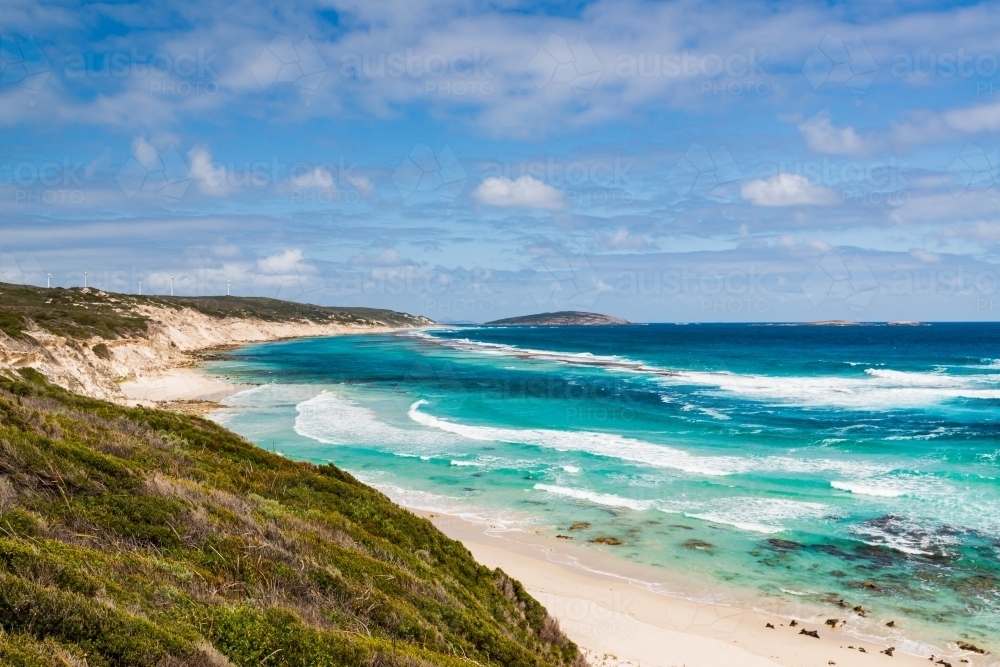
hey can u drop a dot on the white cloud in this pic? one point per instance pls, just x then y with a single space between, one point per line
145 153
318 178
363 185
212 179
524 192
925 257
980 118
822 136
286 263
787 190
226 250
620 240
982 231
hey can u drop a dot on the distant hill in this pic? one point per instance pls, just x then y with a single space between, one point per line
558 319
83 313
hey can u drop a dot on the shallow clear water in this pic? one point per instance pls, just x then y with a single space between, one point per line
812 464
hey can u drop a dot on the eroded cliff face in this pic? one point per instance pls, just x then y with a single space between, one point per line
95 367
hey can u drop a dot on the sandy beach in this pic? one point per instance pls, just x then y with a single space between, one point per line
177 387
621 623
617 620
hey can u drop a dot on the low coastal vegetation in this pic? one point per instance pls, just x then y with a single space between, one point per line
132 536
561 318
83 313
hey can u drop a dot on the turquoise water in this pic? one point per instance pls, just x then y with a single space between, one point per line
833 467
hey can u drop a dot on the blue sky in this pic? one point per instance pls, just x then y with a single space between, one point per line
468 161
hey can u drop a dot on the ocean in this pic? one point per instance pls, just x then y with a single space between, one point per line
788 467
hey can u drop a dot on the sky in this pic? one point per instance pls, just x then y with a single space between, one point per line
467 161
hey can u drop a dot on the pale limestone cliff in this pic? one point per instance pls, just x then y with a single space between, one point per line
173 336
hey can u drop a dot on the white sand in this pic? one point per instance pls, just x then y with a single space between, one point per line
179 384
619 623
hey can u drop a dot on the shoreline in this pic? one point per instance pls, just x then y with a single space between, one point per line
186 389
185 386
617 620
622 622
146 364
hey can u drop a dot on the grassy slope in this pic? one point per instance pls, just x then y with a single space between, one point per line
143 537
78 314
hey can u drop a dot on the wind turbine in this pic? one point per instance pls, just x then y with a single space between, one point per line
171 285
48 280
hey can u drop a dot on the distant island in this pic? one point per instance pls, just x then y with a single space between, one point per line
559 319
850 323
833 323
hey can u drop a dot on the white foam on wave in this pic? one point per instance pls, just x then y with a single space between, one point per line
610 362
759 515
691 407
502 520
936 433
714 414
336 420
878 389
607 499
599 444
259 403
867 489
906 535
612 445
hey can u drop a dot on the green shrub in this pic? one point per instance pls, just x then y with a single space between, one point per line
140 537
144 518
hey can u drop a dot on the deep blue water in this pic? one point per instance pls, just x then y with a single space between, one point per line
798 463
